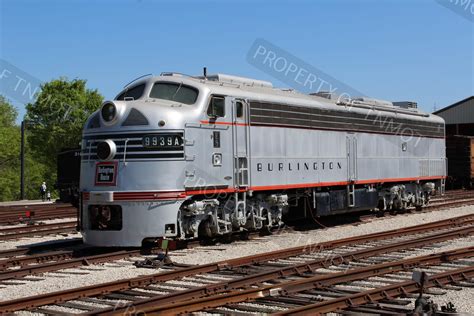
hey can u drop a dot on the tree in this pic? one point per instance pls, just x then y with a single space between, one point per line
9 151
9 158
54 121
8 113
57 117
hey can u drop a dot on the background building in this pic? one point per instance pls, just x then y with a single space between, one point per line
459 117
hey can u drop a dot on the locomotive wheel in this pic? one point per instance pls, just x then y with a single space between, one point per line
207 228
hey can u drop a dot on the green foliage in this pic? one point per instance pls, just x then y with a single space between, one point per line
9 151
57 117
55 121
35 173
8 113
10 138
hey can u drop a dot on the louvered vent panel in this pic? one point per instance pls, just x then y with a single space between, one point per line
424 167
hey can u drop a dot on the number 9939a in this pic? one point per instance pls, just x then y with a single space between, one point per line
162 141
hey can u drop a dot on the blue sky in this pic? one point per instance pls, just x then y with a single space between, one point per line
389 49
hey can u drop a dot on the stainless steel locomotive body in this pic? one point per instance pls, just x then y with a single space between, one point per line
181 157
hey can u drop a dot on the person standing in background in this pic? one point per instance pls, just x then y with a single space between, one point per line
43 191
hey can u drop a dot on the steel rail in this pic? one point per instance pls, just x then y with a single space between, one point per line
450 203
67 264
18 213
36 230
316 282
105 288
23 207
36 213
448 197
49 256
19 220
33 227
441 205
297 269
35 259
386 292
40 247
11 219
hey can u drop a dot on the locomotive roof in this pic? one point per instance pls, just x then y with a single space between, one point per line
263 91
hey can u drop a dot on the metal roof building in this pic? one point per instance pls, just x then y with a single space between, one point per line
459 117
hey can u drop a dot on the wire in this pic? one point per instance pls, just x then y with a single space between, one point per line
306 204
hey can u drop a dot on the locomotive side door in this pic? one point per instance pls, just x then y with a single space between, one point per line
351 146
240 137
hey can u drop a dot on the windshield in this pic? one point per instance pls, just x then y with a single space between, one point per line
132 93
174 92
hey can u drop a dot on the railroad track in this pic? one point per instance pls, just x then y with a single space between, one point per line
462 198
66 259
435 205
35 249
37 230
313 295
34 206
10 215
59 258
237 275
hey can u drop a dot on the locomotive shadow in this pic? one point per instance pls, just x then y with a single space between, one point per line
354 219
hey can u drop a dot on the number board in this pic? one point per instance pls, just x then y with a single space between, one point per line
160 141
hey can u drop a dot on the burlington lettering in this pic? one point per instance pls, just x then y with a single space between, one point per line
297 166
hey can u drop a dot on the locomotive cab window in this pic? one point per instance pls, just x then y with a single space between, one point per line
216 107
239 109
132 93
174 92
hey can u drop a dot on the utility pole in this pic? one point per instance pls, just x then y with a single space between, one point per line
22 161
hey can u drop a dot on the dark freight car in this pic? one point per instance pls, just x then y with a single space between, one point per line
68 174
460 154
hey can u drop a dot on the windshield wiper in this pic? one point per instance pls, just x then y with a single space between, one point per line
177 90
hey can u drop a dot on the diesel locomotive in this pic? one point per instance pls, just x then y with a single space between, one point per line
180 157
68 168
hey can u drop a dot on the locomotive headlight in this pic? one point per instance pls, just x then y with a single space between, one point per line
109 112
106 150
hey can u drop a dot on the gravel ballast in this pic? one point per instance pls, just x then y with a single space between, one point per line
203 255
289 239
